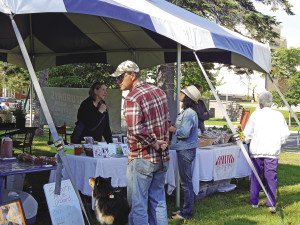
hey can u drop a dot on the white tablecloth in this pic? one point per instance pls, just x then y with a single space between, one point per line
205 163
84 167
203 168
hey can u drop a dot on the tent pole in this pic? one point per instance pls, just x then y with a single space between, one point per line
178 109
62 160
284 100
30 103
233 130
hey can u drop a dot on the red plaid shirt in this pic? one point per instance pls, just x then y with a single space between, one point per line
147 117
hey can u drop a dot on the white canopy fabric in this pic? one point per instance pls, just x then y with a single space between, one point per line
58 32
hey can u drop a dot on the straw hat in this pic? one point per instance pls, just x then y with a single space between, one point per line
192 92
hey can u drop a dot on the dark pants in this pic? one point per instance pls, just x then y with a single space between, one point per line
185 161
267 169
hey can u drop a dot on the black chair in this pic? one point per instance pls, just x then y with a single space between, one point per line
62 131
23 138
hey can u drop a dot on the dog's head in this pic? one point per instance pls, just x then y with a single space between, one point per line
101 186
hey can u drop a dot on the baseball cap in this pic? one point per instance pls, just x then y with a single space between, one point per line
126 66
192 92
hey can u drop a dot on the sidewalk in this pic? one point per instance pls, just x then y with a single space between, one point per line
293 143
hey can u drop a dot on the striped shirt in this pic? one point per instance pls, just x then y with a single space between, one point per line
147 117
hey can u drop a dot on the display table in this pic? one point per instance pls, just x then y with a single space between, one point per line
216 162
84 167
12 167
204 168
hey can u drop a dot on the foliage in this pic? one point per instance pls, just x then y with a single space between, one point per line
80 75
14 78
285 67
192 75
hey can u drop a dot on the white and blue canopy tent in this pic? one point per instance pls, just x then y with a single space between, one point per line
42 33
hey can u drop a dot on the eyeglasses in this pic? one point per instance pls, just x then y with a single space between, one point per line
120 78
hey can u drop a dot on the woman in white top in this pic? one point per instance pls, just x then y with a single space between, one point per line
267 130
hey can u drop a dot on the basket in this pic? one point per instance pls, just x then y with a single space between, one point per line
227 137
205 141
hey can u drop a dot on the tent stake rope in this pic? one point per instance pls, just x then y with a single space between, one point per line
62 161
233 130
284 100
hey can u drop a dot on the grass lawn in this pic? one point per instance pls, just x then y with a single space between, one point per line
222 208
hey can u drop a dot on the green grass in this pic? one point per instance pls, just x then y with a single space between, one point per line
218 209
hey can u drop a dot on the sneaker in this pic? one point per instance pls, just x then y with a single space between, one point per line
174 213
178 217
255 206
272 209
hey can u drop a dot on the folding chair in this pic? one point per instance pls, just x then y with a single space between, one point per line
23 138
62 131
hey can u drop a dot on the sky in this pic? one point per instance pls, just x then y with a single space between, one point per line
290 24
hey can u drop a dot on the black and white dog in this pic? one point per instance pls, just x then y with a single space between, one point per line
111 208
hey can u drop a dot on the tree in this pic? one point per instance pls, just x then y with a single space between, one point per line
80 75
13 78
286 68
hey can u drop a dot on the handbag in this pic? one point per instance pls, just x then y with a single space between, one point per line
76 136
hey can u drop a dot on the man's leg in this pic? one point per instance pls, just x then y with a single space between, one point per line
142 174
255 186
270 173
129 178
157 198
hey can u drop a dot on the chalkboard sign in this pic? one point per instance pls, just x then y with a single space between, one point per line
64 208
12 213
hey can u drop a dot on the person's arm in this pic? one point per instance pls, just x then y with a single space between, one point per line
203 113
107 131
183 131
285 132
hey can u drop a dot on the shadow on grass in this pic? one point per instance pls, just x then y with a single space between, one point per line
288 175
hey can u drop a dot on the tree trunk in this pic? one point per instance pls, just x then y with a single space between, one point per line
165 81
43 81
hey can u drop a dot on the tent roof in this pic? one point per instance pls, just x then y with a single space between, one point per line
58 32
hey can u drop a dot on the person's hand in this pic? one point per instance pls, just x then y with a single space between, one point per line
160 144
102 108
172 129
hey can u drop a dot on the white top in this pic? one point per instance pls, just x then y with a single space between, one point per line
267 130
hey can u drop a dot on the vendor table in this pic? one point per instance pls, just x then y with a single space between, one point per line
84 167
216 162
13 166
205 168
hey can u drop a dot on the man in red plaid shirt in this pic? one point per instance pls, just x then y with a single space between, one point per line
147 117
